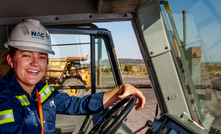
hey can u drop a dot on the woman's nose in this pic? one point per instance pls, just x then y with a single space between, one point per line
35 61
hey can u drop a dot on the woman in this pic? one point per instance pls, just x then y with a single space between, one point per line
28 105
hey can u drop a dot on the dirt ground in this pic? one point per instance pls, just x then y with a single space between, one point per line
137 119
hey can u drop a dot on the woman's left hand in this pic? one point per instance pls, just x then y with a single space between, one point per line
122 92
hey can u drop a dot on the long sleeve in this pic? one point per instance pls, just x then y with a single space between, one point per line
75 105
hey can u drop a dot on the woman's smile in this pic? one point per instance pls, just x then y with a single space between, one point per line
33 72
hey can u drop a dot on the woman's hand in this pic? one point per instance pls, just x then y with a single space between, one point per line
128 90
122 92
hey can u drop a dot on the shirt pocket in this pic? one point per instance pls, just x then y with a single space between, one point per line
32 123
49 116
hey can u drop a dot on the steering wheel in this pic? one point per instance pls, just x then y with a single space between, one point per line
104 120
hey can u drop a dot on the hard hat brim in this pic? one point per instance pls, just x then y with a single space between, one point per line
30 46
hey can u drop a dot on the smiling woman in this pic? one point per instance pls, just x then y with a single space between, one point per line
28 105
31 70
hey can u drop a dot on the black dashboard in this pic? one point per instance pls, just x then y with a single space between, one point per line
170 124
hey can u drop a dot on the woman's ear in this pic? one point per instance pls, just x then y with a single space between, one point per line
9 60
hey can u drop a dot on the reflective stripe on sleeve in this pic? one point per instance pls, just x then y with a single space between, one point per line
23 99
6 116
45 92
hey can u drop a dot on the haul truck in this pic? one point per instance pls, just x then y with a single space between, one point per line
68 72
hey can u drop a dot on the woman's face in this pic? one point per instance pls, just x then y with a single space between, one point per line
29 66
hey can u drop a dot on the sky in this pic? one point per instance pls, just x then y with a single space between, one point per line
124 39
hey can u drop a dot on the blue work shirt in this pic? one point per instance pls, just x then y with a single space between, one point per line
19 111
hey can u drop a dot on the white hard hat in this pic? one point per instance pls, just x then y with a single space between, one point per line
30 35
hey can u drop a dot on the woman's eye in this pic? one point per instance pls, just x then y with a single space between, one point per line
43 58
26 55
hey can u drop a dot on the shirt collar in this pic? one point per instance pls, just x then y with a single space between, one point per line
14 85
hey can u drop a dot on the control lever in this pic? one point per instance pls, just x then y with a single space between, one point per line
149 123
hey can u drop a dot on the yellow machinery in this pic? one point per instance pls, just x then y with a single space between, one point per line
68 72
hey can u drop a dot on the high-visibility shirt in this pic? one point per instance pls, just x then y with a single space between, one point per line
19 111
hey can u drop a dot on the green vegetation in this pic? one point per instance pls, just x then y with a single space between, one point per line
135 70
128 67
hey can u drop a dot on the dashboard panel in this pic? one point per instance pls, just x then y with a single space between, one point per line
171 124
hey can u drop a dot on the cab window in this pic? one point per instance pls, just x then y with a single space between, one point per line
70 68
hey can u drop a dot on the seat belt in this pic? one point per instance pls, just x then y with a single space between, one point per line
40 112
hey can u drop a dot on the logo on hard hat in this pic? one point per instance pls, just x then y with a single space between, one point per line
37 35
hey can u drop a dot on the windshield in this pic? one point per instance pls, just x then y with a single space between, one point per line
194 29
69 70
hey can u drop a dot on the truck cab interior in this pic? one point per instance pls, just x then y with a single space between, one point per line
179 42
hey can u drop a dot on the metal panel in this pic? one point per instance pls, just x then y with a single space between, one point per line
13 8
162 60
155 26
70 18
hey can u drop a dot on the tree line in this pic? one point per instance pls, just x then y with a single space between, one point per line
131 61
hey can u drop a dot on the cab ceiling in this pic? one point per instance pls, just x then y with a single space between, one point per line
21 8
